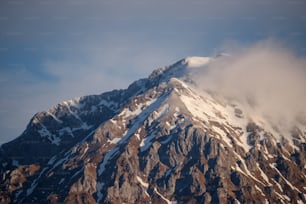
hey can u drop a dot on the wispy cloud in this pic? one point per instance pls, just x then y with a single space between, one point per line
267 75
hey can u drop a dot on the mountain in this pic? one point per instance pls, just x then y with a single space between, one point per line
162 140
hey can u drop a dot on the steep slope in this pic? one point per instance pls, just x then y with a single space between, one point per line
162 140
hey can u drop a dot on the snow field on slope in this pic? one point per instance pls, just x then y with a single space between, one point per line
205 108
196 62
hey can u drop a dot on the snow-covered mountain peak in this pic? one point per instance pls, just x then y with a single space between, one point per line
164 139
183 69
196 62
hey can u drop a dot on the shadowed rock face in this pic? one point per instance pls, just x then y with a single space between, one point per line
159 141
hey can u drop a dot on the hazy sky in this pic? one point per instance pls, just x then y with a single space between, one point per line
52 50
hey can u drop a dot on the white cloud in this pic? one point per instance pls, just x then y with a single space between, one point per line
268 75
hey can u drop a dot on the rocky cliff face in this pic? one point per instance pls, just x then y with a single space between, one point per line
160 141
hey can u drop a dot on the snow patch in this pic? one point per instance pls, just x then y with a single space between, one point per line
257 188
164 198
126 113
288 183
109 104
196 62
223 135
137 136
45 133
114 141
205 108
139 120
66 130
54 117
146 142
144 184
246 171
161 111
263 175
279 186
85 150
35 182
85 126
107 157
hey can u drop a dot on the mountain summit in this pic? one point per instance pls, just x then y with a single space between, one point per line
164 139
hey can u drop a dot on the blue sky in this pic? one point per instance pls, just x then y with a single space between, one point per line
53 50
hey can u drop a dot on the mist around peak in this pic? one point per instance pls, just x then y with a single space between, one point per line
267 76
